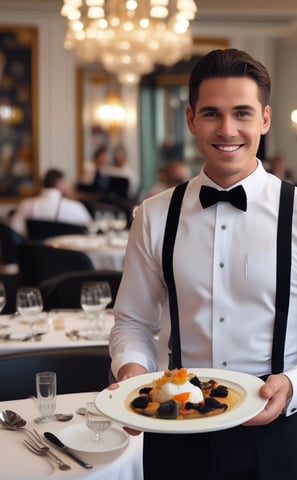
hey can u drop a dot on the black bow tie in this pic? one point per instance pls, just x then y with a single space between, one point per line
236 196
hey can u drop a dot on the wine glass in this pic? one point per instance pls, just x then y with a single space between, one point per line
2 296
105 298
95 296
96 421
29 305
120 221
95 225
46 390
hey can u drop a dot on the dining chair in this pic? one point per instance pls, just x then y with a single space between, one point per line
9 241
78 369
42 229
63 291
38 262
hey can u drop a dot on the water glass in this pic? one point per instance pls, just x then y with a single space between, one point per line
46 390
96 421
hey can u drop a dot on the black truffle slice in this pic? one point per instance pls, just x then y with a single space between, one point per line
141 402
168 409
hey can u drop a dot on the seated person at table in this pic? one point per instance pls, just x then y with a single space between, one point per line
53 203
94 180
101 181
121 168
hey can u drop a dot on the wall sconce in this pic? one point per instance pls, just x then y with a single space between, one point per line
112 114
294 119
10 114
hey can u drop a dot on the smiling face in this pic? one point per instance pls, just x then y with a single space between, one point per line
228 122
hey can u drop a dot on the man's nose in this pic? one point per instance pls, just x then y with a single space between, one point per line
226 127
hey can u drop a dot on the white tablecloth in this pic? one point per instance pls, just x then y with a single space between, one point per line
106 252
17 463
56 324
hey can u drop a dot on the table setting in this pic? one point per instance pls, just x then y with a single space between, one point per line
68 448
53 329
107 251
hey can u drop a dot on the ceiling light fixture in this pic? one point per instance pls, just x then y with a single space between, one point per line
129 37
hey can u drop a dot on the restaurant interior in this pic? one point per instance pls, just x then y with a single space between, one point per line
65 93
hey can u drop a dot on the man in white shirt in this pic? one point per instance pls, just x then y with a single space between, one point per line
224 266
51 204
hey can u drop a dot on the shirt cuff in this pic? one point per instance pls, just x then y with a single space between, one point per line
130 357
291 407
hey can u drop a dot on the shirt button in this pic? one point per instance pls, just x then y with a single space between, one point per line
221 320
223 227
222 264
224 364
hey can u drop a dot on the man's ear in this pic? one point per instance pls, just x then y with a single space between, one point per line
266 119
190 119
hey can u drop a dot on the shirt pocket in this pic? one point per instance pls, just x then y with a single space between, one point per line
260 270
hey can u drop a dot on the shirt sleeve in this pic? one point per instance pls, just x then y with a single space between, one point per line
138 304
291 407
18 219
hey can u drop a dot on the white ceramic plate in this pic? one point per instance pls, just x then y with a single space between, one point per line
79 437
115 403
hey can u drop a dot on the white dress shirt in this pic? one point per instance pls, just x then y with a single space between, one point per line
225 274
49 205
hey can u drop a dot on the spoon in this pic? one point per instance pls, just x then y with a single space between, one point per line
8 418
81 411
61 417
12 421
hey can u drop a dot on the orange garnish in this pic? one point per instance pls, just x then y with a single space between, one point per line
152 407
182 397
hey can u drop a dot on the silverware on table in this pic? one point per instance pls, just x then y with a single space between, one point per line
36 445
56 441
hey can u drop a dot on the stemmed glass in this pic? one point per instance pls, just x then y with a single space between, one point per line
96 421
120 221
105 298
95 225
2 296
29 304
2 299
94 298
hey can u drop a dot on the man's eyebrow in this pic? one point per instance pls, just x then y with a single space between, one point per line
210 108
244 107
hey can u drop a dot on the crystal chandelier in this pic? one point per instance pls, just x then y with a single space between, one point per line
129 37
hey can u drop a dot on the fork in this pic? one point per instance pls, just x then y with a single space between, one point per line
35 444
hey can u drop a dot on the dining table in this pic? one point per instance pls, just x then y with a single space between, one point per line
53 330
106 251
119 460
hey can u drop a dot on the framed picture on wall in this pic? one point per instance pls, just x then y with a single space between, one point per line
18 112
92 86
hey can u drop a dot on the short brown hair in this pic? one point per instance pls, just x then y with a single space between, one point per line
52 177
229 63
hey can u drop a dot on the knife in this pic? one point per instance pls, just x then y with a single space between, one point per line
56 441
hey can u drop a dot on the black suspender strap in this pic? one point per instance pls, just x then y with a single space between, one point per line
283 274
167 254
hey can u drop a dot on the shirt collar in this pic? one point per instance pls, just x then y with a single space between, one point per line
51 192
253 184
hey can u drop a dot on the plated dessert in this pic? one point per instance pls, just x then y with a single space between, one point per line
243 402
179 394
